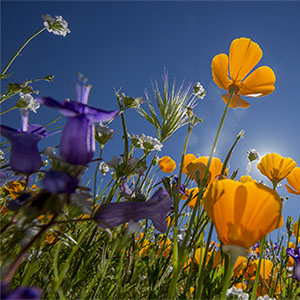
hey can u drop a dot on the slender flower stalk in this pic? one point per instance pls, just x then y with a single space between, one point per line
19 51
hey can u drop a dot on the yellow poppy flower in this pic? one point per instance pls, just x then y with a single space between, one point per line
265 270
246 178
197 168
276 167
193 200
295 230
293 180
186 160
199 255
167 164
244 55
242 213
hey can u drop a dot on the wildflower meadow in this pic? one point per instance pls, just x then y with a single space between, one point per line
142 224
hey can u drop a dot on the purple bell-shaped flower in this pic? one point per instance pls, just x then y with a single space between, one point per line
77 144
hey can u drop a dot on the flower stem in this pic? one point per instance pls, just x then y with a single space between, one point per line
19 51
6 111
176 268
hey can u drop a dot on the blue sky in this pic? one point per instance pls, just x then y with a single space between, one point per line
126 44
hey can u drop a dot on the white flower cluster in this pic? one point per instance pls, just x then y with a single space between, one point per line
237 292
199 90
26 101
104 168
252 155
58 26
148 143
103 133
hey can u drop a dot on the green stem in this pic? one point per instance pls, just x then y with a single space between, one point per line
19 51
173 283
262 246
201 277
125 136
96 174
6 111
201 188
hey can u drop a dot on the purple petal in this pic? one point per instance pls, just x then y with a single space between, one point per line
24 156
58 182
77 144
156 209
23 292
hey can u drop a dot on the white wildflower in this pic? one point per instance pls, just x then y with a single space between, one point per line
58 26
28 102
103 133
252 155
104 168
149 143
199 90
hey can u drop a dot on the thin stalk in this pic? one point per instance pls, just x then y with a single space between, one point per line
201 188
125 136
8 110
19 51
172 286
262 247
201 277
96 174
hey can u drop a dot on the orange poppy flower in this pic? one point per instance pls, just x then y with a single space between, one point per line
244 54
276 167
186 160
194 198
167 164
246 178
196 168
242 213
293 180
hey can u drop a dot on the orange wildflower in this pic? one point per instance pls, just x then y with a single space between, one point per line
196 168
186 160
293 180
246 178
242 213
167 164
244 55
276 167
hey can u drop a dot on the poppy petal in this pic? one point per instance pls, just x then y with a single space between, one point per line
219 68
258 83
244 54
236 101
293 180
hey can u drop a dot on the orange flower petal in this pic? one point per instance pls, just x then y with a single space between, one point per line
276 167
244 54
236 101
167 164
242 213
294 181
219 68
259 83
186 160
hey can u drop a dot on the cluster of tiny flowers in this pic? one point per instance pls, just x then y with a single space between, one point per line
236 292
147 143
199 90
104 168
252 155
58 26
103 133
26 101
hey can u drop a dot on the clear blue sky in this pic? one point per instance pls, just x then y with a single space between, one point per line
125 44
